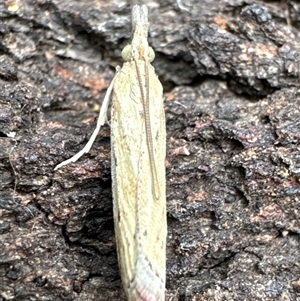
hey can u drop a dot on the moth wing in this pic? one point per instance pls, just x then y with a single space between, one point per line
140 218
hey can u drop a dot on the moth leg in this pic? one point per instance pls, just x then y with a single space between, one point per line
101 120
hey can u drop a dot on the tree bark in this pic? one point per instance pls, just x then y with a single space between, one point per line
230 71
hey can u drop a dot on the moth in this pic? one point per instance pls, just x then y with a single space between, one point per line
138 149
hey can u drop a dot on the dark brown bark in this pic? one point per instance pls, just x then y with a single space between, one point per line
231 75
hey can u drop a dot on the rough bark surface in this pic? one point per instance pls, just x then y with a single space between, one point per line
231 75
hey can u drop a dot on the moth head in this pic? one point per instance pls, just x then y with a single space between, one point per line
128 53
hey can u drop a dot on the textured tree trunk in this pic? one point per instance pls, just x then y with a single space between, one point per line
230 71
